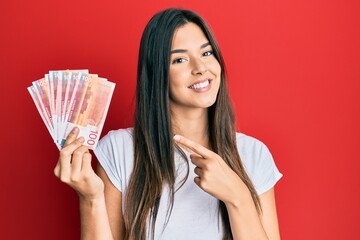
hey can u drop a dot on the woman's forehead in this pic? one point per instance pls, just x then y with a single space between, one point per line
187 36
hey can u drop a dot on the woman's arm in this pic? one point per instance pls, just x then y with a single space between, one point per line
94 219
113 205
74 169
269 216
245 221
216 178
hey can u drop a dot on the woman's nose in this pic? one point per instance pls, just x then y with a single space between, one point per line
198 67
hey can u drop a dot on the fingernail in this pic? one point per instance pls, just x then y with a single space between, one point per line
177 138
81 139
75 130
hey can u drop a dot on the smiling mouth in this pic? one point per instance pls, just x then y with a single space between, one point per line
201 84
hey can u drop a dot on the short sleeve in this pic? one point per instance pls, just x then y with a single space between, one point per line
258 163
114 153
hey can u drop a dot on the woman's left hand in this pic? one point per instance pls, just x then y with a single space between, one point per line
214 175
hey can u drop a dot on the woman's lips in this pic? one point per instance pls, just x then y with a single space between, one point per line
201 86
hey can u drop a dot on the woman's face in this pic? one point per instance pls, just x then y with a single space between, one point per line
195 73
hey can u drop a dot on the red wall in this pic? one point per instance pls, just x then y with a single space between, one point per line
294 77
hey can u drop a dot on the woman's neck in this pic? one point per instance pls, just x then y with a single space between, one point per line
192 124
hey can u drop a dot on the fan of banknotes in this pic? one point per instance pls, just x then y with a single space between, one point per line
72 98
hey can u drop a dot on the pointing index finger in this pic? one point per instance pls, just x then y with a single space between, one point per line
193 146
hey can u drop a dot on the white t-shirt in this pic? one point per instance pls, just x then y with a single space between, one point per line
195 213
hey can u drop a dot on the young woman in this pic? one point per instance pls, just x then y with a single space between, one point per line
182 172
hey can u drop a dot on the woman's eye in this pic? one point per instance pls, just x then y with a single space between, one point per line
208 53
178 60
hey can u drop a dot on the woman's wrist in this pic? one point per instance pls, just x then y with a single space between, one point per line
92 201
240 199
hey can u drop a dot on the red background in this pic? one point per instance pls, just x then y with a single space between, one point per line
294 78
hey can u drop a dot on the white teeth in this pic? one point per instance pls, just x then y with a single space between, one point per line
200 85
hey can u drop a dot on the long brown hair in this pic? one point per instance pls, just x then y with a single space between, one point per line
153 137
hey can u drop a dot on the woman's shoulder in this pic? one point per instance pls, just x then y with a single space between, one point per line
120 133
123 135
248 143
114 152
115 141
252 150
258 162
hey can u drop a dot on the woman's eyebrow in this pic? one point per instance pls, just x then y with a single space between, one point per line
204 45
184 50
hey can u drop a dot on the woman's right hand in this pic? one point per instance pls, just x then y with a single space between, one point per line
74 168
